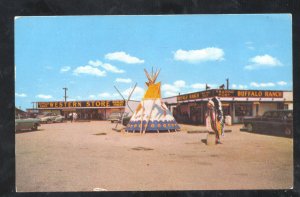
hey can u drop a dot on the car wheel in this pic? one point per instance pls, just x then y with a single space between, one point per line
49 121
35 127
249 127
288 131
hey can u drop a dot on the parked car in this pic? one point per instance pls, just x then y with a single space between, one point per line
47 117
278 121
23 123
59 118
115 117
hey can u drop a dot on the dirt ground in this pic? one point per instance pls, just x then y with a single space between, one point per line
90 156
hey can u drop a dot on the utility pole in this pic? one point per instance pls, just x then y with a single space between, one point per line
227 83
65 94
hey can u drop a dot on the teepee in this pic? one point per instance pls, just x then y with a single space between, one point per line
152 113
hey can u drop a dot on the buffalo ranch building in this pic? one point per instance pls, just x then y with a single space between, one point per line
238 104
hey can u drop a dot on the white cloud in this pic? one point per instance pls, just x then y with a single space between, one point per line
263 61
95 63
170 88
89 70
198 85
193 56
65 69
111 68
122 80
123 57
258 85
43 96
92 96
179 83
173 89
20 95
104 95
106 66
235 86
282 83
137 94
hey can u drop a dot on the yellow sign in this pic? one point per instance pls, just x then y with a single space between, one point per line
231 93
81 104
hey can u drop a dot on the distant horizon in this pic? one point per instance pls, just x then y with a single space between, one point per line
91 54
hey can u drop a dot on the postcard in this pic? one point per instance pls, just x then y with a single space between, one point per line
153 102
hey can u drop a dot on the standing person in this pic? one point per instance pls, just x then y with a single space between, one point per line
214 118
220 121
74 116
71 117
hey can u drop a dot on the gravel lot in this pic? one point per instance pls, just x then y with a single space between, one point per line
90 156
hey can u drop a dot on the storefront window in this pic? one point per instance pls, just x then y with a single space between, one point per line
196 114
243 109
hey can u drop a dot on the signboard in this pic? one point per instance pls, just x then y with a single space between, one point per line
194 96
261 93
231 93
81 104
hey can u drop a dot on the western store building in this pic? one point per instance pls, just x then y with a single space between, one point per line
86 110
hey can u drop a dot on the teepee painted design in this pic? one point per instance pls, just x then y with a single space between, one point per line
152 113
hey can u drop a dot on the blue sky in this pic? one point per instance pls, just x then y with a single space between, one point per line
91 54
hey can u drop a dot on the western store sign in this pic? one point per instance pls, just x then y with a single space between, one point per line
231 93
82 104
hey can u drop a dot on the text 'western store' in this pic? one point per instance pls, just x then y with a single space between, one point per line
89 110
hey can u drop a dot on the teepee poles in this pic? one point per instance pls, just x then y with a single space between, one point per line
126 103
128 97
